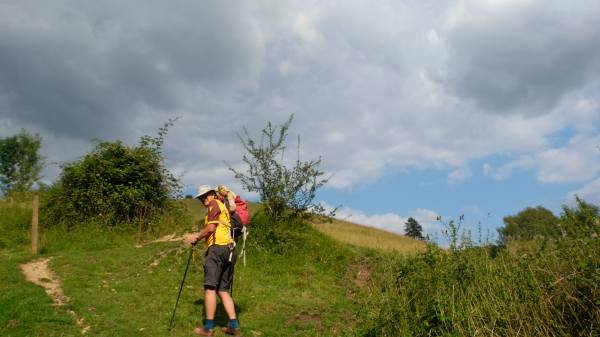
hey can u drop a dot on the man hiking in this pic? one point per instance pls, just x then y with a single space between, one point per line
219 262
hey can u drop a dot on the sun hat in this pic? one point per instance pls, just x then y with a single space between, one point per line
202 190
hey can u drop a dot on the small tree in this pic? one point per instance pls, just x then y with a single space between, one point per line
413 229
529 223
20 162
283 191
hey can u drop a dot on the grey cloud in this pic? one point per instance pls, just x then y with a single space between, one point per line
521 57
88 69
356 75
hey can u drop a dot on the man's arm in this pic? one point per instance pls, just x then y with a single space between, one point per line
193 238
210 228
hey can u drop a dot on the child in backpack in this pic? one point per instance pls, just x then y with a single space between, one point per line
228 198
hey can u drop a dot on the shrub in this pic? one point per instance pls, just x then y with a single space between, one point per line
285 192
113 184
284 239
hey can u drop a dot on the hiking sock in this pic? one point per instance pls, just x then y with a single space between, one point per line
209 324
233 323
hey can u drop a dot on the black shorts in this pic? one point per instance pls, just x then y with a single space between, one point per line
218 271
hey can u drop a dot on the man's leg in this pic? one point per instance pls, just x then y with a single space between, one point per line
210 306
233 328
211 272
228 304
210 303
225 284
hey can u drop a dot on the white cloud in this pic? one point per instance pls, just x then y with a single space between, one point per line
586 114
590 192
577 161
459 174
391 222
504 171
428 219
388 221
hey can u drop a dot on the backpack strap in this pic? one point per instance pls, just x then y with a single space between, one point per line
223 210
244 236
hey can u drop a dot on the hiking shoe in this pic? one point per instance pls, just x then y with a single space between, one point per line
232 331
203 332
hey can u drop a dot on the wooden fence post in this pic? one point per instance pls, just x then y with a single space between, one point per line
34 224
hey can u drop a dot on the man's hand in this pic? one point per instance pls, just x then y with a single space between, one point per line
191 239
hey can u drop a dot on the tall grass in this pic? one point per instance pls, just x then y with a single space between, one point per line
15 221
552 290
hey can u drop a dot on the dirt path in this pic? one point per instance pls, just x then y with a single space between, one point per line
39 273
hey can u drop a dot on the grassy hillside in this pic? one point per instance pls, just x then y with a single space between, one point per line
134 290
303 285
300 281
369 237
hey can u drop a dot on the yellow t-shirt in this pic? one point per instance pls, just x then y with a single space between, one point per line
218 215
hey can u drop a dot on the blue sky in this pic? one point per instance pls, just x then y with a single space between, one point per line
482 199
418 108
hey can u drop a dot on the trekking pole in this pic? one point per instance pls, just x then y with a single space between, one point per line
181 287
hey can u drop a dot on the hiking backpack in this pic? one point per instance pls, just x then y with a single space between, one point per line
241 209
239 222
240 218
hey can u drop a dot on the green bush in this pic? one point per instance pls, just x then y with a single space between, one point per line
282 237
113 184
